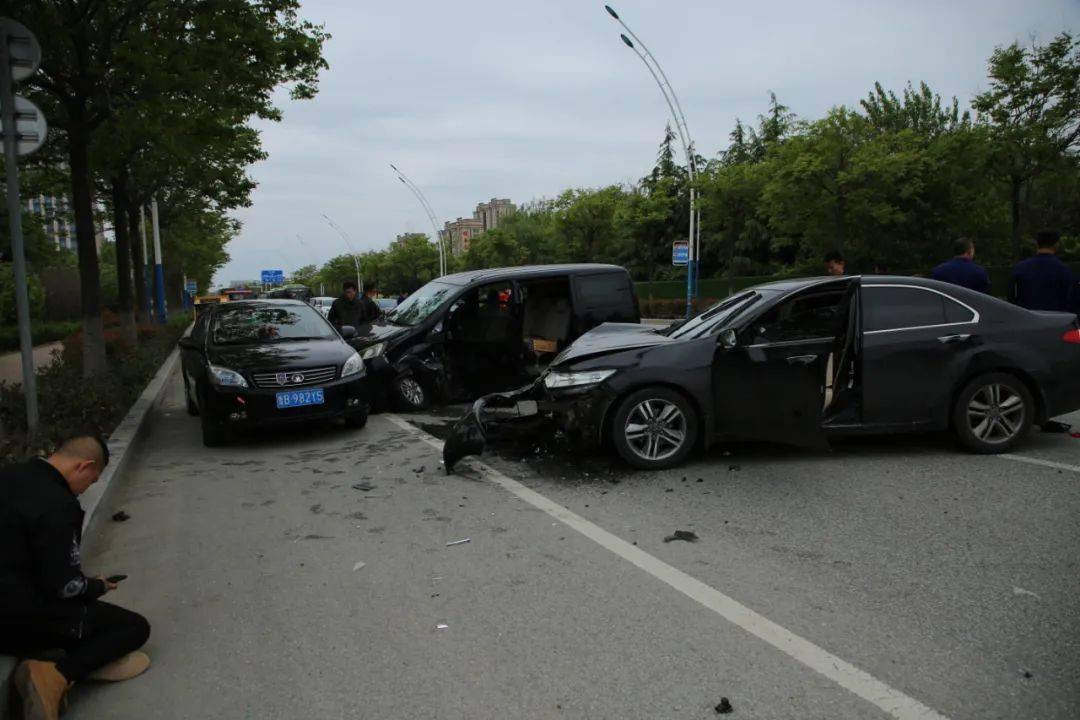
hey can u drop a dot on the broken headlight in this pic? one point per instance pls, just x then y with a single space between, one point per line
373 351
557 380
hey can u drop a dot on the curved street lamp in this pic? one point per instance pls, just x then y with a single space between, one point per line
352 250
429 212
657 72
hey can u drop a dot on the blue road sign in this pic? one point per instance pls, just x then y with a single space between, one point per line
273 277
191 286
680 252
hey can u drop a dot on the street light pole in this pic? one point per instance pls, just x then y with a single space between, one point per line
430 213
657 72
159 270
352 250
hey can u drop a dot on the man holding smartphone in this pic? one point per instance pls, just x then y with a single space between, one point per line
47 604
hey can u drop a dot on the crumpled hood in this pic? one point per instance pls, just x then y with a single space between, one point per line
378 331
609 338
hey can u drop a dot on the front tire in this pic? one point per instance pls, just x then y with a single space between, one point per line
410 393
654 428
192 407
214 432
993 413
357 419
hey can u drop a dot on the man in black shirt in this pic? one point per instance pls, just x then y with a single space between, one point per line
46 602
347 309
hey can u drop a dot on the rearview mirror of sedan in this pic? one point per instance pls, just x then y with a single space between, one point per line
727 339
348 331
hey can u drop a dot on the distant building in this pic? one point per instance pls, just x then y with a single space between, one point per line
460 233
491 214
55 215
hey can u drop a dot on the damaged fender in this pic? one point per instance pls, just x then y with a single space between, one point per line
497 416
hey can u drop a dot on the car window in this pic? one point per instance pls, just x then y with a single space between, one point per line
804 317
896 308
957 313
603 290
419 306
262 322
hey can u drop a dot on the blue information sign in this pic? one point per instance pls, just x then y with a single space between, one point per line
273 277
680 252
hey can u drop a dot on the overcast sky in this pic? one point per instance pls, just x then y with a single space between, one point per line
475 99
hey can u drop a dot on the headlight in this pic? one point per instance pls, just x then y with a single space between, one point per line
556 380
226 378
373 351
353 366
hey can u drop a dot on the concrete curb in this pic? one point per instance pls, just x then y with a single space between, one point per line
120 443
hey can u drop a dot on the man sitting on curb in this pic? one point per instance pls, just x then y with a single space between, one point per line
47 606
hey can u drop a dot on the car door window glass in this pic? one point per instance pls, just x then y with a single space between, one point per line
957 313
605 290
805 317
896 308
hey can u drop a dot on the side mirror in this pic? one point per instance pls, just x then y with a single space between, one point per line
348 332
728 339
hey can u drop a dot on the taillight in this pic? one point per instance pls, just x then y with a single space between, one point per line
1072 336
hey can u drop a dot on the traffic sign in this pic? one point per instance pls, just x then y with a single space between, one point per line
23 48
273 277
191 286
30 127
680 252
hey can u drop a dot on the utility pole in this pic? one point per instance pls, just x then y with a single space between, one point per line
159 271
20 55
149 309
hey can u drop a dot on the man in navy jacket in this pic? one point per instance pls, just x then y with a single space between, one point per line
1044 282
962 269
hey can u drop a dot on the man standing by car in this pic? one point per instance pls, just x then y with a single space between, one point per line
834 263
1044 282
371 310
962 269
46 602
347 309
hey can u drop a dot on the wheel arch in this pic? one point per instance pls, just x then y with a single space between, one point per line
1023 376
609 412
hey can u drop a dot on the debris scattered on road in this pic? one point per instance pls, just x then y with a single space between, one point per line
441 626
684 535
734 468
458 542
1027 674
357 566
668 490
701 479
1053 426
419 470
363 486
120 516
1022 591
724 707
435 595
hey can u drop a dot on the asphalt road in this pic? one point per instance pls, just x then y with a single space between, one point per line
896 578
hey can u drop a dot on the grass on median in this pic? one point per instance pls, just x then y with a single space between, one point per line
70 404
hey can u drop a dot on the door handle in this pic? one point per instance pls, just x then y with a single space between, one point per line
801 359
949 339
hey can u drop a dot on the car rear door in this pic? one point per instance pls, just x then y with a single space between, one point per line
772 384
916 343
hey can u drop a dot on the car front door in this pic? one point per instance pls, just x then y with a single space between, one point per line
916 343
192 350
771 384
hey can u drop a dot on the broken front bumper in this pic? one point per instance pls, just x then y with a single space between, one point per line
531 413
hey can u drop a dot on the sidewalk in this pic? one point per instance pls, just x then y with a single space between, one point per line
11 363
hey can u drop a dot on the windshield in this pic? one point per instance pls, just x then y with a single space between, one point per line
716 316
263 322
419 306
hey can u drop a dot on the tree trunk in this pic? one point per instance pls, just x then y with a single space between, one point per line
138 262
94 362
1014 200
123 259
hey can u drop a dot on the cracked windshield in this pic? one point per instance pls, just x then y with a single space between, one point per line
494 359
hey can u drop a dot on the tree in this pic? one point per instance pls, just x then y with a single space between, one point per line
1033 111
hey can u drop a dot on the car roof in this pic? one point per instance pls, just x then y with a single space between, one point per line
527 271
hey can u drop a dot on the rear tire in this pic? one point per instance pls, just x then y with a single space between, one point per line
993 413
410 394
654 428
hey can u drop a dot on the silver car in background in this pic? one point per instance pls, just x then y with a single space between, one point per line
322 304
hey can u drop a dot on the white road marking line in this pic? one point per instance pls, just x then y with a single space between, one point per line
892 701
1038 461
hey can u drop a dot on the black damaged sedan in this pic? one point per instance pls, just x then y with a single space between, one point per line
260 362
797 362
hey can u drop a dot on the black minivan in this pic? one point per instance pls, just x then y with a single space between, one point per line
464 335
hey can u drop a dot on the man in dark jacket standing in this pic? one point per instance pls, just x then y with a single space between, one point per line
347 309
46 602
962 269
1044 282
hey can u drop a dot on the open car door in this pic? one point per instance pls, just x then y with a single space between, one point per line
788 365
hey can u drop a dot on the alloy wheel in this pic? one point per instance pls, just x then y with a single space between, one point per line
655 429
411 391
996 413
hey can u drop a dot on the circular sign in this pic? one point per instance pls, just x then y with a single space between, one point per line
25 52
30 127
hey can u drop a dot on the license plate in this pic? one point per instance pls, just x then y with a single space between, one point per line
299 398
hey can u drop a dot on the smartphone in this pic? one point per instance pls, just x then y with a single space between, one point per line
116 578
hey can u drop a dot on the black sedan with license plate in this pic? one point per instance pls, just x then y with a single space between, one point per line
798 362
261 362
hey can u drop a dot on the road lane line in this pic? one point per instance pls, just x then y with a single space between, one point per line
892 701
1037 461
